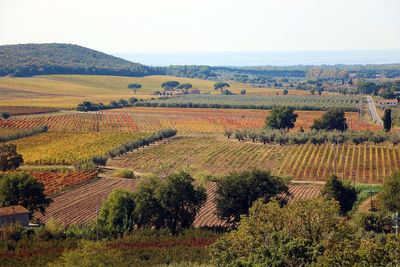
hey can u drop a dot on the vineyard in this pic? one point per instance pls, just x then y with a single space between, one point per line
214 155
57 181
24 110
186 121
66 148
259 102
366 163
67 210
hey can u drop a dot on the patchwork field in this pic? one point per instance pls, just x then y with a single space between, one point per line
185 120
66 148
79 205
366 163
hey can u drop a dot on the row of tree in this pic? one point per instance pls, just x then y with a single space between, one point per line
22 133
122 103
313 137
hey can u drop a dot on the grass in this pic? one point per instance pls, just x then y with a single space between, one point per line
124 174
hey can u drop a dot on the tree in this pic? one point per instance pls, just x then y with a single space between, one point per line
169 85
25 190
333 119
9 158
387 120
116 214
221 86
243 92
281 118
342 192
389 198
184 86
4 115
134 86
180 200
237 191
388 95
367 88
285 92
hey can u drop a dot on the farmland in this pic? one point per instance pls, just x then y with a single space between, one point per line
364 163
66 209
186 121
24 110
66 148
260 102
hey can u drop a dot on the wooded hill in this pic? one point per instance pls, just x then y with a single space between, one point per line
35 59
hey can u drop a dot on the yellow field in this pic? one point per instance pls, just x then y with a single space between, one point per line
66 148
66 91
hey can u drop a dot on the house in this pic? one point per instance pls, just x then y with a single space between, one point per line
194 91
388 102
14 214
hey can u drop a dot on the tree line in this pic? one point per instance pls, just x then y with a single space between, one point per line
23 133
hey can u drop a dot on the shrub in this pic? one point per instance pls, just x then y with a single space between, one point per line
124 174
10 231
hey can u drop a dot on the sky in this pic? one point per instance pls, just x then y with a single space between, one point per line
118 26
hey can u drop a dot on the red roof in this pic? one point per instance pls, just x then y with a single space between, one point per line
18 209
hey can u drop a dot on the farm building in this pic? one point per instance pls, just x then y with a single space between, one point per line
388 102
14 214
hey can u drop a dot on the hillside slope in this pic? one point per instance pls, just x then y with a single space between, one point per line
34 59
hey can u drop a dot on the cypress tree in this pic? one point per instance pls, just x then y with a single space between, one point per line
387 120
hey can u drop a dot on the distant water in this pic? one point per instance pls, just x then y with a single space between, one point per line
285 58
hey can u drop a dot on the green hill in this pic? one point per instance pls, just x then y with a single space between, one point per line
36 59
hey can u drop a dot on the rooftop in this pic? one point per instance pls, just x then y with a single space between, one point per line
18 209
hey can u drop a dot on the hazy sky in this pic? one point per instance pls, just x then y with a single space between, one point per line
204 25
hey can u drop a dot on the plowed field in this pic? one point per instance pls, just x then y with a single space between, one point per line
79 204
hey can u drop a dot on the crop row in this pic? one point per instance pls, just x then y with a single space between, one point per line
186 121
53 148
24 110
349 103
365 163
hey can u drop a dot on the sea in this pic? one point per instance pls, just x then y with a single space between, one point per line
266 58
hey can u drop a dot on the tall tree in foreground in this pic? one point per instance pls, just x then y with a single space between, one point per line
221 86
389 198
9 158
23 189
333 119
387 120
343 192
281 118
238 190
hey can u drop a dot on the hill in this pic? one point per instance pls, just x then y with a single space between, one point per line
34 59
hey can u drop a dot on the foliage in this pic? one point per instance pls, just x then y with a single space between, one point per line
367 87
173 203
184 86
90 253
169 85
221 86
54 229
4 115
36 59
272 235
10 231
23 189
372 221
124 173
333 119
99 160
387 120
389 198
116 214
9 158
343 192
243 92
256 102
134 86
237 191
22 133
281 118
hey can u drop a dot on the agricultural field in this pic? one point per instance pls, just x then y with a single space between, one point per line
214 155
67 91
349 103
365 163
24 110
54 148
67 210
55 182
185 120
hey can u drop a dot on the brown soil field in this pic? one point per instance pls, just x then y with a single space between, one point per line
79 204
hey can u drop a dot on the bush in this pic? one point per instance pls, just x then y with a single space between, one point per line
54 229
10 232
124 173
378 222
390 197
